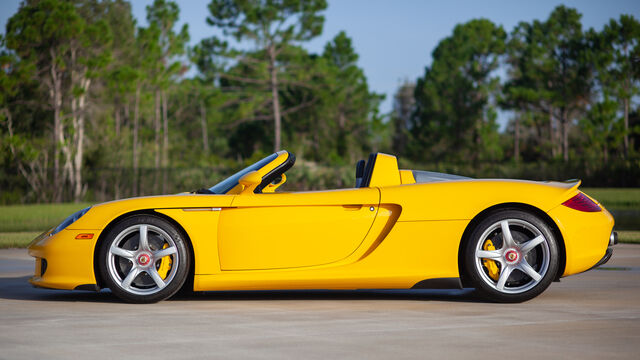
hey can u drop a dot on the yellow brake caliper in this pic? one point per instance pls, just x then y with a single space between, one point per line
165 264
491 265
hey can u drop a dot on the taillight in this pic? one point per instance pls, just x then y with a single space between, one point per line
581 202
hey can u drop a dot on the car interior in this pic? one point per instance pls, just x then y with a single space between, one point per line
364 172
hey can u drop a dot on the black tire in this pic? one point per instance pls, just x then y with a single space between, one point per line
514 261
134 271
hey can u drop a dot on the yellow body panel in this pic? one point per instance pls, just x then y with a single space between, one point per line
102 214
290 236
405 257
200 224
586 236
406 177
285 231
385 171
464 199
69 261
329 239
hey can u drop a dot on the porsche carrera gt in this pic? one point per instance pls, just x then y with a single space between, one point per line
395 229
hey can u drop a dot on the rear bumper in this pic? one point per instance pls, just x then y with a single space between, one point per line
587 237
605 258
613 240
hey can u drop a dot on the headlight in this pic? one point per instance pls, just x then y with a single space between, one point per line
70 220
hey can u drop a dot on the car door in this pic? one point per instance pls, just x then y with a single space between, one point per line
291 230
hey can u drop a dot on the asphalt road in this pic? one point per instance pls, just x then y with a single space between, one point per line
593 315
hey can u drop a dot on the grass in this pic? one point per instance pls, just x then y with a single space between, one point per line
35 218
616 198
629 237
16 239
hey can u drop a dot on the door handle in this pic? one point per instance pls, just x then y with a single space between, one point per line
352 207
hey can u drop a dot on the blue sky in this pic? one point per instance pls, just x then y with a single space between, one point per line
395 38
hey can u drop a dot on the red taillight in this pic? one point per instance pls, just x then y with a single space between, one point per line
581 202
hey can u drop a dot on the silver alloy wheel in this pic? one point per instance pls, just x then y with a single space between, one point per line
512 255
144 258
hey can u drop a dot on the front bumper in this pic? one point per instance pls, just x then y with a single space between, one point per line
62 261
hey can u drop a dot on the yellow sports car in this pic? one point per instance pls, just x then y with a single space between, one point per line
396 229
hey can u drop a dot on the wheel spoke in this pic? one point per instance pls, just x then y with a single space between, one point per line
489 254
122 252
144 241
164 252
126 283
504 276
529 245
527 269
156 277
506 234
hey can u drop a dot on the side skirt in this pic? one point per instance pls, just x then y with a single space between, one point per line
88 287
439 283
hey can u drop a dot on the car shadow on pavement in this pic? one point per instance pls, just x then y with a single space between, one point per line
18 288
465 295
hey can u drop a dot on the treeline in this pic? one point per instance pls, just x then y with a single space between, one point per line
94 106
568 93
86 91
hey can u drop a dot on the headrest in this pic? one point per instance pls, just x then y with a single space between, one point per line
359 172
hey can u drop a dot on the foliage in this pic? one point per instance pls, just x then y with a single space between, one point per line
95 107
455 98
272 27
629 237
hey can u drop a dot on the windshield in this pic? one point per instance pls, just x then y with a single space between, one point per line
229 183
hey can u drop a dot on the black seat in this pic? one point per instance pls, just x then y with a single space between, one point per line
368 171
359 172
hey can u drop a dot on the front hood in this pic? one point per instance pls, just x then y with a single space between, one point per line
102 214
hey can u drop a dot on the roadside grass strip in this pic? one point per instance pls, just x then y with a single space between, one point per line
16 239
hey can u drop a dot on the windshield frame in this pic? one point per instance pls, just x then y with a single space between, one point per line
229 183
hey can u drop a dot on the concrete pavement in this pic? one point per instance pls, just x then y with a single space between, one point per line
593 315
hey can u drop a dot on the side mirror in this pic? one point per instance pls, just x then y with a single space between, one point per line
250 182
275 184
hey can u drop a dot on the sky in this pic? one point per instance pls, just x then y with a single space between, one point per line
395 38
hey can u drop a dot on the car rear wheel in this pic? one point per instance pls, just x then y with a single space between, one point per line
144 259
511 256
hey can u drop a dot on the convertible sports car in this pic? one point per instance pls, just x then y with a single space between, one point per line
396 229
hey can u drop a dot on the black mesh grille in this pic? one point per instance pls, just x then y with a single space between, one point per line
43 266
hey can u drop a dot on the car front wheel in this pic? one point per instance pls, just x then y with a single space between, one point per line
144 259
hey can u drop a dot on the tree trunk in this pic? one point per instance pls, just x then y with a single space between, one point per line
118 120
626 128
516 140
565 136
75 111
157 150
165 142
273 71
79 151
203 124
552 134
342 133
136 121
55 93
127 115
